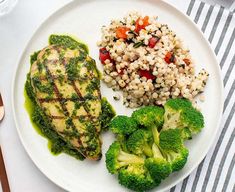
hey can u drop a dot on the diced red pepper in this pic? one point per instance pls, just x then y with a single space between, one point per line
121 72
141 23
104 55
153 41
170 58
147 74
187 61
121 32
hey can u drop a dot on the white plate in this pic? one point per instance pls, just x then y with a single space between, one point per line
84 20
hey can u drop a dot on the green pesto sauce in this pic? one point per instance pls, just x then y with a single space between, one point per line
93 85
69 42
47 88
29 106
72 68
33 57
107 114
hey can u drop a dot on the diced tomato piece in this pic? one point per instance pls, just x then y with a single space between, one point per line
170 58
104 55
167 57
121 32
153 41
147 74
121 72
141 23
146 21
187 61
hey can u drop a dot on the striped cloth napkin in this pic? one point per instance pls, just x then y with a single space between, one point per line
216 172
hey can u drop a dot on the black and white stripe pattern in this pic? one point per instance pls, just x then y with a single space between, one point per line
217 171
232 8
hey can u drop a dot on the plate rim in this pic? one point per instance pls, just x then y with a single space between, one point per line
67 6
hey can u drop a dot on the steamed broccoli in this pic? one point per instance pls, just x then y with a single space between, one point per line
192 119
136 177
173 149
116 158
186 134
152 119
140 142
170 143
171 139
149 116
179 113
173 109
123 125
150 143
130 168
158 167
178 104
177 159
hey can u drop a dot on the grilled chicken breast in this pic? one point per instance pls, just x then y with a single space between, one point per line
66 86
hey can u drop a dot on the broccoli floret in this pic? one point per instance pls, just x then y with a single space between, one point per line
192 119
179 113
136 177
116 158
123 125
173 149
171 139
149 116
186 134
158 167
178 104
173 108
140 142
177 159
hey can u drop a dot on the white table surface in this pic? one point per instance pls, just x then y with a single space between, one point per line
16 29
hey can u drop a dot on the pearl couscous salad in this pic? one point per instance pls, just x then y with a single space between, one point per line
147 61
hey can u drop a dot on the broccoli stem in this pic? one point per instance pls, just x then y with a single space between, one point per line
147 150
126 158
155 134
122 141
156 151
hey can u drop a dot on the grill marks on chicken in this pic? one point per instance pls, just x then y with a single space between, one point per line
66 84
